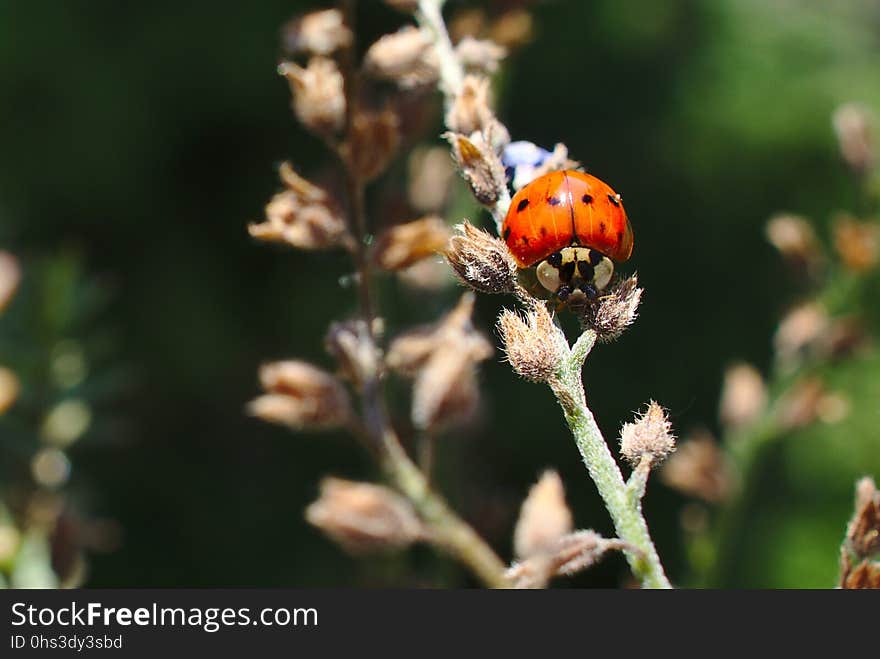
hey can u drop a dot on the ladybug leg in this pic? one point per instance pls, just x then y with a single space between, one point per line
590 291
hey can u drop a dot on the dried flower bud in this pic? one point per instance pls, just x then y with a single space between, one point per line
9 388
649 436
364 517
857 243
513 29
852 123
699 468
355 352
611 313
743 396
570 554
405 244
799 406
372 142
796 241
865 576
862 542
442 358
430 174
480 54
303 216
406 57
480 166
318 94
544 517
317 33
481 260
535 347
863 532
799 331
10 276
470 111
300 395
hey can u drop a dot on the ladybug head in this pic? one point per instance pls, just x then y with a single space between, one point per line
574 272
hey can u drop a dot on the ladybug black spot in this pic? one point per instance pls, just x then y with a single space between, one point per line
614 200
506 233
525 240
522 205
587 199
543 231
554 201
602 227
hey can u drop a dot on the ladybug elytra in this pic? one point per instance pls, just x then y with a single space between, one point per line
573 227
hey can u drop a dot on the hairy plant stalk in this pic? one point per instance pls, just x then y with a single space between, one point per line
430 18
625 510
445 529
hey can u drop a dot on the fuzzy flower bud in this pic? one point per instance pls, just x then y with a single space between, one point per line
743 396
317 33
405 244
858 555
535 347
299 395
649 436
479 54
480 167
612 312
699 468
544 517
364 517
481 260
470 111
318 94
852 124
372 142
406 57
303 216
796 241
799 332
10 276
857 243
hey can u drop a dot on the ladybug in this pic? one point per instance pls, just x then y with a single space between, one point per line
573 227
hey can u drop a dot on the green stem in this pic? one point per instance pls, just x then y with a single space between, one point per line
446 529
625 510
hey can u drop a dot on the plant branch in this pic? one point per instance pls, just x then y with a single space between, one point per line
625 510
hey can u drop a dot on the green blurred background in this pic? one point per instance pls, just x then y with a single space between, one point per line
138 139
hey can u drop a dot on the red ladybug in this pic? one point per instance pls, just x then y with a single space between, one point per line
572 226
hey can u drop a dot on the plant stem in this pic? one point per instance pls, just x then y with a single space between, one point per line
625 510
446 529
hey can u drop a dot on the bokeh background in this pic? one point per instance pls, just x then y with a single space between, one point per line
137 140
